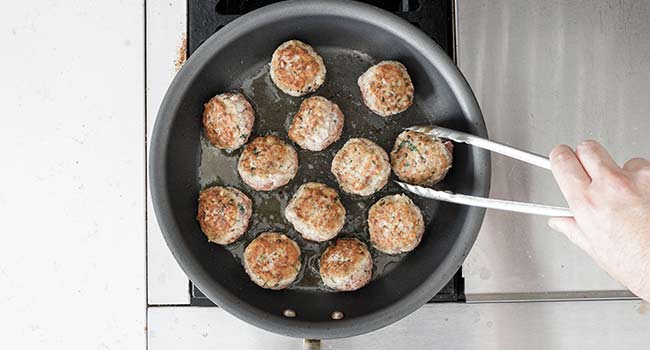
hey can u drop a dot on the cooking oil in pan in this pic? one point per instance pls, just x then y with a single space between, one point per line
274 111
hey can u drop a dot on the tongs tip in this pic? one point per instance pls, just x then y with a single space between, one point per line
401 184
417 190
420 128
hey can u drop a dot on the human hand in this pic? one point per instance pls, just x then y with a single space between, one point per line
611 207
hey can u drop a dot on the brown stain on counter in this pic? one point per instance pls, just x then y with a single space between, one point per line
181 53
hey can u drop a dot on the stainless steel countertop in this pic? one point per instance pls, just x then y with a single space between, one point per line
550 72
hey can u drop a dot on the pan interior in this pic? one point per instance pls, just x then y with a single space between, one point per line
274 111
237 59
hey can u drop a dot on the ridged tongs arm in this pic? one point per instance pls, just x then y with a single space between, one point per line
500 204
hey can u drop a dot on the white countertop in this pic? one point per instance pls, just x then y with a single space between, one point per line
72 203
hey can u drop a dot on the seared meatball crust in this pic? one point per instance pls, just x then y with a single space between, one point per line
395 224
361 167
386 88
318 124
296 68
228 119
346 265
420 159
224 214
316 212
267 163
272 260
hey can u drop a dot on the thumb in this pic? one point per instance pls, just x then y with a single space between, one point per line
570 229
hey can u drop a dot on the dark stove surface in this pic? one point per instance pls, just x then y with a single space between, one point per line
433 17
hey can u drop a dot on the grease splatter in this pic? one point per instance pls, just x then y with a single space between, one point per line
181 53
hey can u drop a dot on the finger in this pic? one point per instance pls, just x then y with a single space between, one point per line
594 158
569 173
639 170
636 164
570 229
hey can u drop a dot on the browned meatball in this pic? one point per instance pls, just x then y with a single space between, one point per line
316 212
272 260
318 124
420 159
395 224
346 265
224 213
361 167
267 163
297 69
228 120
386 88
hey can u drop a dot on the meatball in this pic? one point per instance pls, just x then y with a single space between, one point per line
420 159
228 120
386 88
267 163
361 167
224 213
346 265
395 224
317 124
272 260
297 69
316 212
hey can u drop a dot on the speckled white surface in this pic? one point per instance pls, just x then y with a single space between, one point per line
531 326
209 328
72 203
166 23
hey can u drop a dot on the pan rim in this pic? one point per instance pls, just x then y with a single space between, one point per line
397 27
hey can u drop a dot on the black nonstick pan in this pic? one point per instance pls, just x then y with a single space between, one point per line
350 37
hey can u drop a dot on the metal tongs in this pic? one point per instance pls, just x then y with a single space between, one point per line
500 204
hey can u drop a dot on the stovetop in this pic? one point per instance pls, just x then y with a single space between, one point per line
433 17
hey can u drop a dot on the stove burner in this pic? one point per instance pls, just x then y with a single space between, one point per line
433 17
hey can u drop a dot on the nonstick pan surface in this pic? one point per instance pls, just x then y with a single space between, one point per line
350 37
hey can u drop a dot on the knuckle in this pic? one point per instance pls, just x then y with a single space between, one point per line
598 201
589 200
644 174
640 164
561 153
618 181
588 146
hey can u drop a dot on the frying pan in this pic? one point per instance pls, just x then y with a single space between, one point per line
350 36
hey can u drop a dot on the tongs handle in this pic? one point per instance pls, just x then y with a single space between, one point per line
490 203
